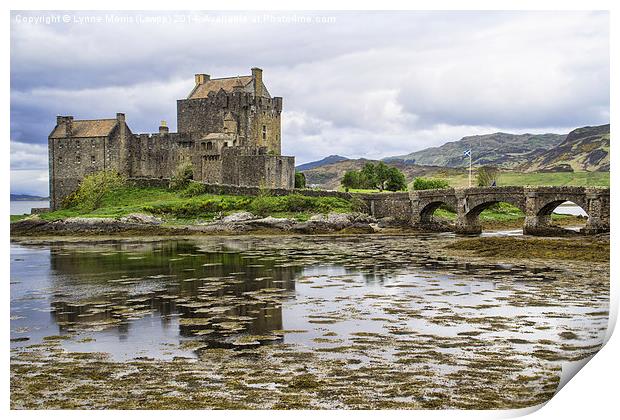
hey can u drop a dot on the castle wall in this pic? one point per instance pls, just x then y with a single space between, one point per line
71 159
251 167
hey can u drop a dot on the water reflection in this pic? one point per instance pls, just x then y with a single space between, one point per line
171 297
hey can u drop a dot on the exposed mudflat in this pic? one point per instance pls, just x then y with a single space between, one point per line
364 321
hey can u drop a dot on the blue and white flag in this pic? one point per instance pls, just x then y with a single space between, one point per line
467 153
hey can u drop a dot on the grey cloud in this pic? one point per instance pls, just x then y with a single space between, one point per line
372 84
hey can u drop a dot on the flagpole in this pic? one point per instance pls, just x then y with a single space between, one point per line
469 168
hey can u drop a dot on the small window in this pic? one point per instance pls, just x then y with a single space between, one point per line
60 159
264 132
209 146
78 159
225 144
92 160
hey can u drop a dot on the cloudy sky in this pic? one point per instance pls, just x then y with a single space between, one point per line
358 84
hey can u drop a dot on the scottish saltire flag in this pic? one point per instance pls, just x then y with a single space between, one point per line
467 153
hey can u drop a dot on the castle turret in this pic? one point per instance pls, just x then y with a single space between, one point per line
163 128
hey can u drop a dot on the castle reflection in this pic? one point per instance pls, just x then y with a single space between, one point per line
216 295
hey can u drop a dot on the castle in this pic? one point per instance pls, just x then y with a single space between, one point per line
228 129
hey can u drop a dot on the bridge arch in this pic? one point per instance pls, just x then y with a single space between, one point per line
426 213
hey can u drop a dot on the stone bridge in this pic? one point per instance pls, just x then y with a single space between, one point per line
537 203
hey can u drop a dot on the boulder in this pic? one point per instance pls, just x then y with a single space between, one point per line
141 218
242 216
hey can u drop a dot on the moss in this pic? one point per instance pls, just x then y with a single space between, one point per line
561 249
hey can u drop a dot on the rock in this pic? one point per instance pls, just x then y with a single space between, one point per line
272 222
238 217
141 218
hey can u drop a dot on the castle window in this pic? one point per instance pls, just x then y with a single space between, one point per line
209 146
92 160
264 132
78 159
60 159
225 144
203 145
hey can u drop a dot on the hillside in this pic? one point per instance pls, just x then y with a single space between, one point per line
584 149
500 149
27 197
322 162
329 176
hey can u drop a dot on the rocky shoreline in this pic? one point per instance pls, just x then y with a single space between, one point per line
237 223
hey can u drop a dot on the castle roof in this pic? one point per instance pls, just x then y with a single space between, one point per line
85 128
214 85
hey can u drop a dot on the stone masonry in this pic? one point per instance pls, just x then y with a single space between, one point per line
228 129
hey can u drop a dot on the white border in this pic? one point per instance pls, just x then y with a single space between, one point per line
594 392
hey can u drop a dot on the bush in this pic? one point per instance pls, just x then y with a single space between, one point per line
194 189
375 176
300 180
92 189
429 183
183 174
199 207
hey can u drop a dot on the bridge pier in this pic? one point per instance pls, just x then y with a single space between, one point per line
465 224
598 211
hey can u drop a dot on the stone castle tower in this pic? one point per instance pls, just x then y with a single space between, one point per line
228 129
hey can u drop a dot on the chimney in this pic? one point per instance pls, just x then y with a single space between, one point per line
120 117
257 76
68 122
201 79
163 128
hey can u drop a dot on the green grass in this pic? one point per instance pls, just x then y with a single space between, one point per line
585 179
189 204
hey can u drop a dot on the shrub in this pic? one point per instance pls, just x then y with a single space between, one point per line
194 189
300 180
183 174
429 183
92 189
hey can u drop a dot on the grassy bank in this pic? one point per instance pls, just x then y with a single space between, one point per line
189 205
575 179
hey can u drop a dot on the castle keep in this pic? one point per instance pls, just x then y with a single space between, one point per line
228 128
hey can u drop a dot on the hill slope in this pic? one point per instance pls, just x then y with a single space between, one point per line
325 161
500 149
329 176
584 149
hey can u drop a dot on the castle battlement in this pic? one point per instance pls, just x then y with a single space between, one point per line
228 129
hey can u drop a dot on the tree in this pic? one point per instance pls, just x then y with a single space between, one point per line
395 180
368 177
300 180
487 175
92 189
375 176
351 179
